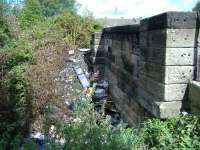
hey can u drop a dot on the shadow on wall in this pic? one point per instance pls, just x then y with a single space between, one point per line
148 66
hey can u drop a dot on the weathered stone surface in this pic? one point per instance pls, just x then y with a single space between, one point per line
165 92
116 45
128 84
111 57
127 44
194 97
128 62
97 35
98 60
99 53
97 47
100 41
168 56
168 38
166 42
108 42
167 74
122 29
130 109
130 43
174 20
159 109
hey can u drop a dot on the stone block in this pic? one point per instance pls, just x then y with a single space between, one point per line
122 29
168 56
97 47
98 60
99 53
159 109
194 97
127 44
168 38
97 35
172 20
130 109
128 62
130 42
167 74
127 83
135 116
164 92
100 41
111 57
116 45
108 42
112 67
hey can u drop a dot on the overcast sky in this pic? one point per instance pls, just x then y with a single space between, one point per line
134 8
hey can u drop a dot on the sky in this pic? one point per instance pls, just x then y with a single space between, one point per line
133 8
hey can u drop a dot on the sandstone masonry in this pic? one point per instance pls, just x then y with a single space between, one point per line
148 66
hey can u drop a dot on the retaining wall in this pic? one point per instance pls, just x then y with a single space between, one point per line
148 66
194 97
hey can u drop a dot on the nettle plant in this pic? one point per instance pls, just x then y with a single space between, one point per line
177 133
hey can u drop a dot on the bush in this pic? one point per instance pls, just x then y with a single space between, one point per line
92 131
77 30
30 14
18 104
16 53
177 133
5 33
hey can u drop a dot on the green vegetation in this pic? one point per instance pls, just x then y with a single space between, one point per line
197 7
93 131
30 13
55 7
33 47
33 50
4 32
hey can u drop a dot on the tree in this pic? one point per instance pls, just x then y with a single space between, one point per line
197 7
31 13
4 29
55 7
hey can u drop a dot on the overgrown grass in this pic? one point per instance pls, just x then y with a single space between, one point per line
30 60
32 57
92 131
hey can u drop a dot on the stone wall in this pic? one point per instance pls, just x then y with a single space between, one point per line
194 97
148 66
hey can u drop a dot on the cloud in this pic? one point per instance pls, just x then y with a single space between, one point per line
186 5
128 8
134 8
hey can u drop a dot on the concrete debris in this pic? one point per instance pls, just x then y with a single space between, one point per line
99 94
84 49
81 76
101 84
71 52
73 60
37 135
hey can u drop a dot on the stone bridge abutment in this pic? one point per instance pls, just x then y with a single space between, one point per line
148 66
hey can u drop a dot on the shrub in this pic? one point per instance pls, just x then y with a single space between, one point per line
176 133
92 131
30 14
5 33
77 30
18 104
15 53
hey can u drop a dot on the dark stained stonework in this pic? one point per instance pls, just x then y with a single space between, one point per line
122 29
148 66
171 20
